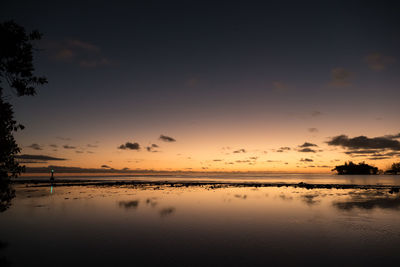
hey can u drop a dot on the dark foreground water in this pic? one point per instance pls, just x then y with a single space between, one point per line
208 225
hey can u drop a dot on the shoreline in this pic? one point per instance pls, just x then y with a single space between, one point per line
212 184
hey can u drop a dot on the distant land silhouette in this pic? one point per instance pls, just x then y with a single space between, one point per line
352 168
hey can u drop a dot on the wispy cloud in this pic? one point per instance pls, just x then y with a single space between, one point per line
307 150
69 147
63 138
166 138
341 77
378 62
307 144
27 158
283 149
152 148
316 113
83 45
192 82
35 146
92 146
242 150
313 130
280 86
82 53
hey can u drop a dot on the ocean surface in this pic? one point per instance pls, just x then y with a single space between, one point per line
204 225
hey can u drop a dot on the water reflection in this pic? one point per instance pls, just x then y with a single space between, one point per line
129 204
7 193
310 199
152 202
3 259
206 225
369 200
167 211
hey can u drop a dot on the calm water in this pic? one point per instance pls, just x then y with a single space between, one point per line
200 226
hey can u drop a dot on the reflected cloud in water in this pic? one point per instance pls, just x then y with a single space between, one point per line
167 211
369 200
152 202
129 204
310 199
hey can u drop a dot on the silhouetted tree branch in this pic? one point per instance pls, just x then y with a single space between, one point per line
16 72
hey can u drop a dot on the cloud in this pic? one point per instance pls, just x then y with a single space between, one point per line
306 160
35 146
71 169
377 61
129 145
63 138
192 82
283 149
363 142
279 86
341 77
393 136
368 151
92 146
313 130
35 158
217 160
152 147
307 150
374 154
64 54
83 45
105 166
316 113
379 158
78 52
53 145
242 150
78 151
68 147
166 138
306 144
92 63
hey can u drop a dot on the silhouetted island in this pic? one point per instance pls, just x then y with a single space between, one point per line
352 168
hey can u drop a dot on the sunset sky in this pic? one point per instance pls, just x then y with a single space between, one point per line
296 86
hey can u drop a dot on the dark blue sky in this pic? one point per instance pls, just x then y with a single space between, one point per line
152 66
